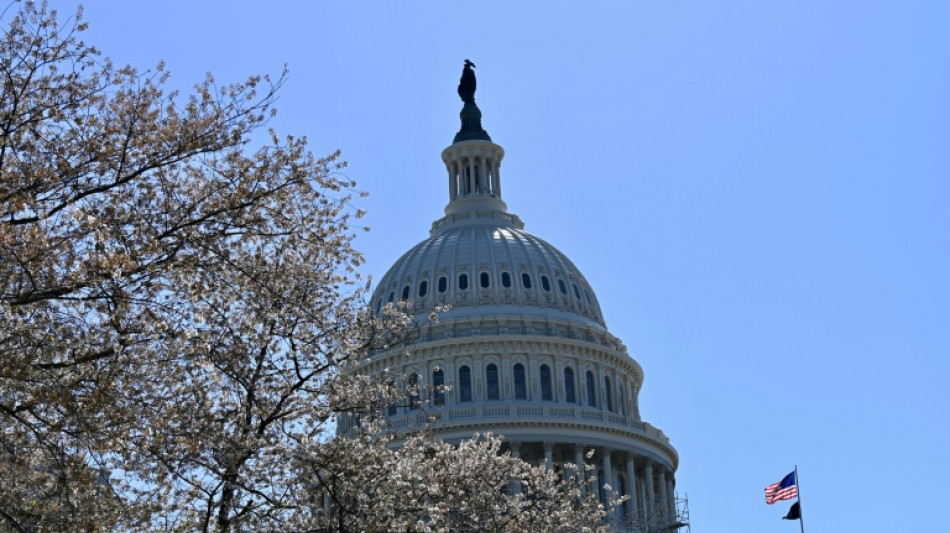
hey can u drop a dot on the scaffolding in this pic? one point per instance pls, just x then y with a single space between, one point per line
659 521
682 514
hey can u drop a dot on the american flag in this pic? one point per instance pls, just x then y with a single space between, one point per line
783 490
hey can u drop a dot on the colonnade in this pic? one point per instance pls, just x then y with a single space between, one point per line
650 485
479 174
474 169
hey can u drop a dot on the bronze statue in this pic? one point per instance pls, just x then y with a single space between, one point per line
471 116
467 83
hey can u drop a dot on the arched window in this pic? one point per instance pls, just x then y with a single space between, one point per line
545 284
438 381
423 288
483 280
562 286
569 385
607 396
577 293
412 390
591 390
491 382
526 280
443 284
505 280
463 281
547 394
465 384
521 383
392 296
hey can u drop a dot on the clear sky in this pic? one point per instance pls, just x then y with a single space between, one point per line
758 192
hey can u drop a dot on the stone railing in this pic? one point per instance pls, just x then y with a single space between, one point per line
464 415
528 326
506 218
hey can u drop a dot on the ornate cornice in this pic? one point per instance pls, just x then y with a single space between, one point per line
623 439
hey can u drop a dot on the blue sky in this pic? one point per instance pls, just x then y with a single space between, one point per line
757 191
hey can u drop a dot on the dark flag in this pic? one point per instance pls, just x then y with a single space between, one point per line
795 513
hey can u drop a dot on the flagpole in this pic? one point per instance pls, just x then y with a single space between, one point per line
798 482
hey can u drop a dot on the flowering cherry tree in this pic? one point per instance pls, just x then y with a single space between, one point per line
367 483
175 308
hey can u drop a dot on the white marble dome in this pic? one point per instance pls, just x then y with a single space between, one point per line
523 352
485 263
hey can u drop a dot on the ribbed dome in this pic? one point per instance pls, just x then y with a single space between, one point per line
483 262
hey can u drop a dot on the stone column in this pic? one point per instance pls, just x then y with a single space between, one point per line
579 465
609 484
483 176
471 175
581 370
453 182
450 377
672 499
650 496
497 179
494 177
549 455
663 507
632 488
644 508
478 178
516 453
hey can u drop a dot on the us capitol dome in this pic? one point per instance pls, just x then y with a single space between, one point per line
524 349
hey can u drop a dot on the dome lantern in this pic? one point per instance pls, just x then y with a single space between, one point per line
473 161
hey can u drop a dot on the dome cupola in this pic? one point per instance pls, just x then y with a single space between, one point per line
473 161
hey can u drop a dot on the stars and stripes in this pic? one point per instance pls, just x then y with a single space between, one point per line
783 490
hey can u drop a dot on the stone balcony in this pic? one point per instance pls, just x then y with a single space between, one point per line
494 414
